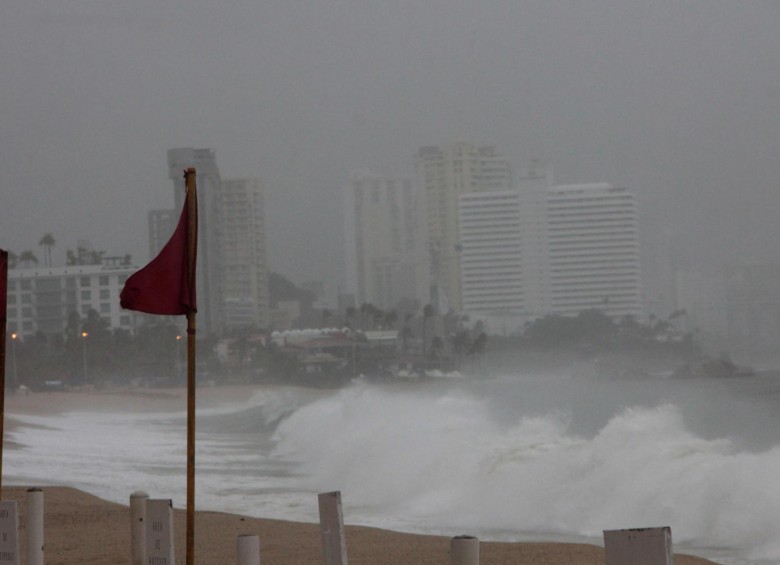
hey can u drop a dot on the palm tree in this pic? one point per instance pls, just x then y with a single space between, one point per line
13 258
428 312
28 257
47 242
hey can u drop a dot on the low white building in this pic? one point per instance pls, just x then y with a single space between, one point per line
41 299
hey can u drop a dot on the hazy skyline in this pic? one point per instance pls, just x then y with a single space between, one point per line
677 101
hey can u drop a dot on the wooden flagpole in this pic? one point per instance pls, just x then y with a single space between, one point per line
192 226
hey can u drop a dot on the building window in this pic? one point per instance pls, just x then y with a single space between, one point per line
25 285
85 281
105 307
86 295
11 285
27 326
12 312
27 312
104 294
26 299
85 308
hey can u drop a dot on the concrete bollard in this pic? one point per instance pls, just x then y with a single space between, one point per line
34 526
464 550
138 527
248 550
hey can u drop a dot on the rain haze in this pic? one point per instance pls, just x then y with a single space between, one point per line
677 101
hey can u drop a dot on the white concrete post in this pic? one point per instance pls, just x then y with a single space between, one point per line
138 527
334 545
34 524
159 532
464 550
248 550
9 533
639 546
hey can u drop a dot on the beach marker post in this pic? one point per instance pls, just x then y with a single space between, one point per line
464 550
159 532
9 533
138 527
334 545
248 549
639 546
34 523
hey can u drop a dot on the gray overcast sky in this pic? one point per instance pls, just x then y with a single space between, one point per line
679 101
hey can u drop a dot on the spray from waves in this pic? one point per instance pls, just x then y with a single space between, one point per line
414 459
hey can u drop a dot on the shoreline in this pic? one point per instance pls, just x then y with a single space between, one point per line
101 527
83 529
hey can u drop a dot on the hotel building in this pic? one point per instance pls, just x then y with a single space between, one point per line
384 246
443 174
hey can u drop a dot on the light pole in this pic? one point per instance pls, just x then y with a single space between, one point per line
84 353
14 335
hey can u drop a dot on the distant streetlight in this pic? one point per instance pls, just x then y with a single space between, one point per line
84 336
13 355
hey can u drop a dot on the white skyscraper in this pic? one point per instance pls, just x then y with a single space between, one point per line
538 250
443 173
593 250
502 250
384 246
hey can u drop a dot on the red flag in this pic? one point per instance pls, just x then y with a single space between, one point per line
165 286
3 286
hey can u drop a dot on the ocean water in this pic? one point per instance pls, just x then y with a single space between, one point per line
514 457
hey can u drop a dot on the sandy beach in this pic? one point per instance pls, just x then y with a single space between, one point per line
83 529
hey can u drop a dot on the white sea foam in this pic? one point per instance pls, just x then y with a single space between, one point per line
447 458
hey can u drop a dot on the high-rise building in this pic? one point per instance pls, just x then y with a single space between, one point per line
502 250
538 250
593 250
443 173
209 268
385 252
242 242
232 272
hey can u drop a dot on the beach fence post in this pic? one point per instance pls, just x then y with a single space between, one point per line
159 531
334 545
464 550
248 549
34 524
138 527
9 532
639 546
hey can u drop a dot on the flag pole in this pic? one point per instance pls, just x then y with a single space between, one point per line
192 211
3 326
